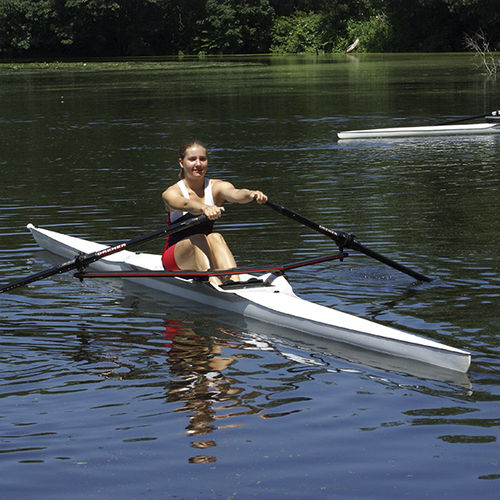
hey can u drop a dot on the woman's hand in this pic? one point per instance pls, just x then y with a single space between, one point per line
258 196
212 212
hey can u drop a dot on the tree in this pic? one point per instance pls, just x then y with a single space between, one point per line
477 16
235 26
97 27
57 28
375 34
480 45
120 28
26 26
300 32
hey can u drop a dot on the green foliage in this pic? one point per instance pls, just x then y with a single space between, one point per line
96 27
25 24
13 30
422 25
375 34
235 26
86 28
477 15
128 27
300 32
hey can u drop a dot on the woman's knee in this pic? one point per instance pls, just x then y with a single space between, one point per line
216 238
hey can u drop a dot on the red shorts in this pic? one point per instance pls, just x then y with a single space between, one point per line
168 259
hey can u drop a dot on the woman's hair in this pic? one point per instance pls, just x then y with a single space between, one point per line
185 147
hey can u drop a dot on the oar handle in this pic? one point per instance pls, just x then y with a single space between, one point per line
345 240
81 261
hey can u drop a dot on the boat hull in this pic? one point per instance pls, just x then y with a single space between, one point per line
274 303
473 129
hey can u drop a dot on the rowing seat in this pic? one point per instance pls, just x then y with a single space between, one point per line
235 285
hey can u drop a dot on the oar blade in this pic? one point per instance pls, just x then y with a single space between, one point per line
385 260
67 266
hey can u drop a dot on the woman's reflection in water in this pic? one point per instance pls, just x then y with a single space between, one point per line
197 367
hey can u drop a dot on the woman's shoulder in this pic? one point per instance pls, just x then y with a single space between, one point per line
219 184
172 189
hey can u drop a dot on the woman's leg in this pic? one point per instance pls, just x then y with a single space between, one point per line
222 257
200 252
193 253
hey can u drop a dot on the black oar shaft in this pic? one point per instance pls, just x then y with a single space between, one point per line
340 238
385 260
468 118
303 220
62 268
82 261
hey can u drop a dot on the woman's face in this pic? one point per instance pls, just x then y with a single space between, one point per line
195 161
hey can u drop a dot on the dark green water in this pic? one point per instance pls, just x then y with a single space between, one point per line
117 393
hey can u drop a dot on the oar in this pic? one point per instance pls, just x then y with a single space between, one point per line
81 261
345 240
493 113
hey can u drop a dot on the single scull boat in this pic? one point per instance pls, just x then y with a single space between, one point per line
470 129
492 126
268 298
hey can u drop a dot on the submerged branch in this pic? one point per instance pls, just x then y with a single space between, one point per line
479 44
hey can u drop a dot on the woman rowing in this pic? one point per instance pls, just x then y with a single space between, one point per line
198 247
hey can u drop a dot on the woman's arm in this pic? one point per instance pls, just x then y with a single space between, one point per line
175 201
227 192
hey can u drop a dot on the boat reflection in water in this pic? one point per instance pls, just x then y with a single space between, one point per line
209 382
218 370
281 338
198 380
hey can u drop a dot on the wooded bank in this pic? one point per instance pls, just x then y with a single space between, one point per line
121 28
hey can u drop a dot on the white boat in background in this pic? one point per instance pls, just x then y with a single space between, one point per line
491 126
381 133
268 298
